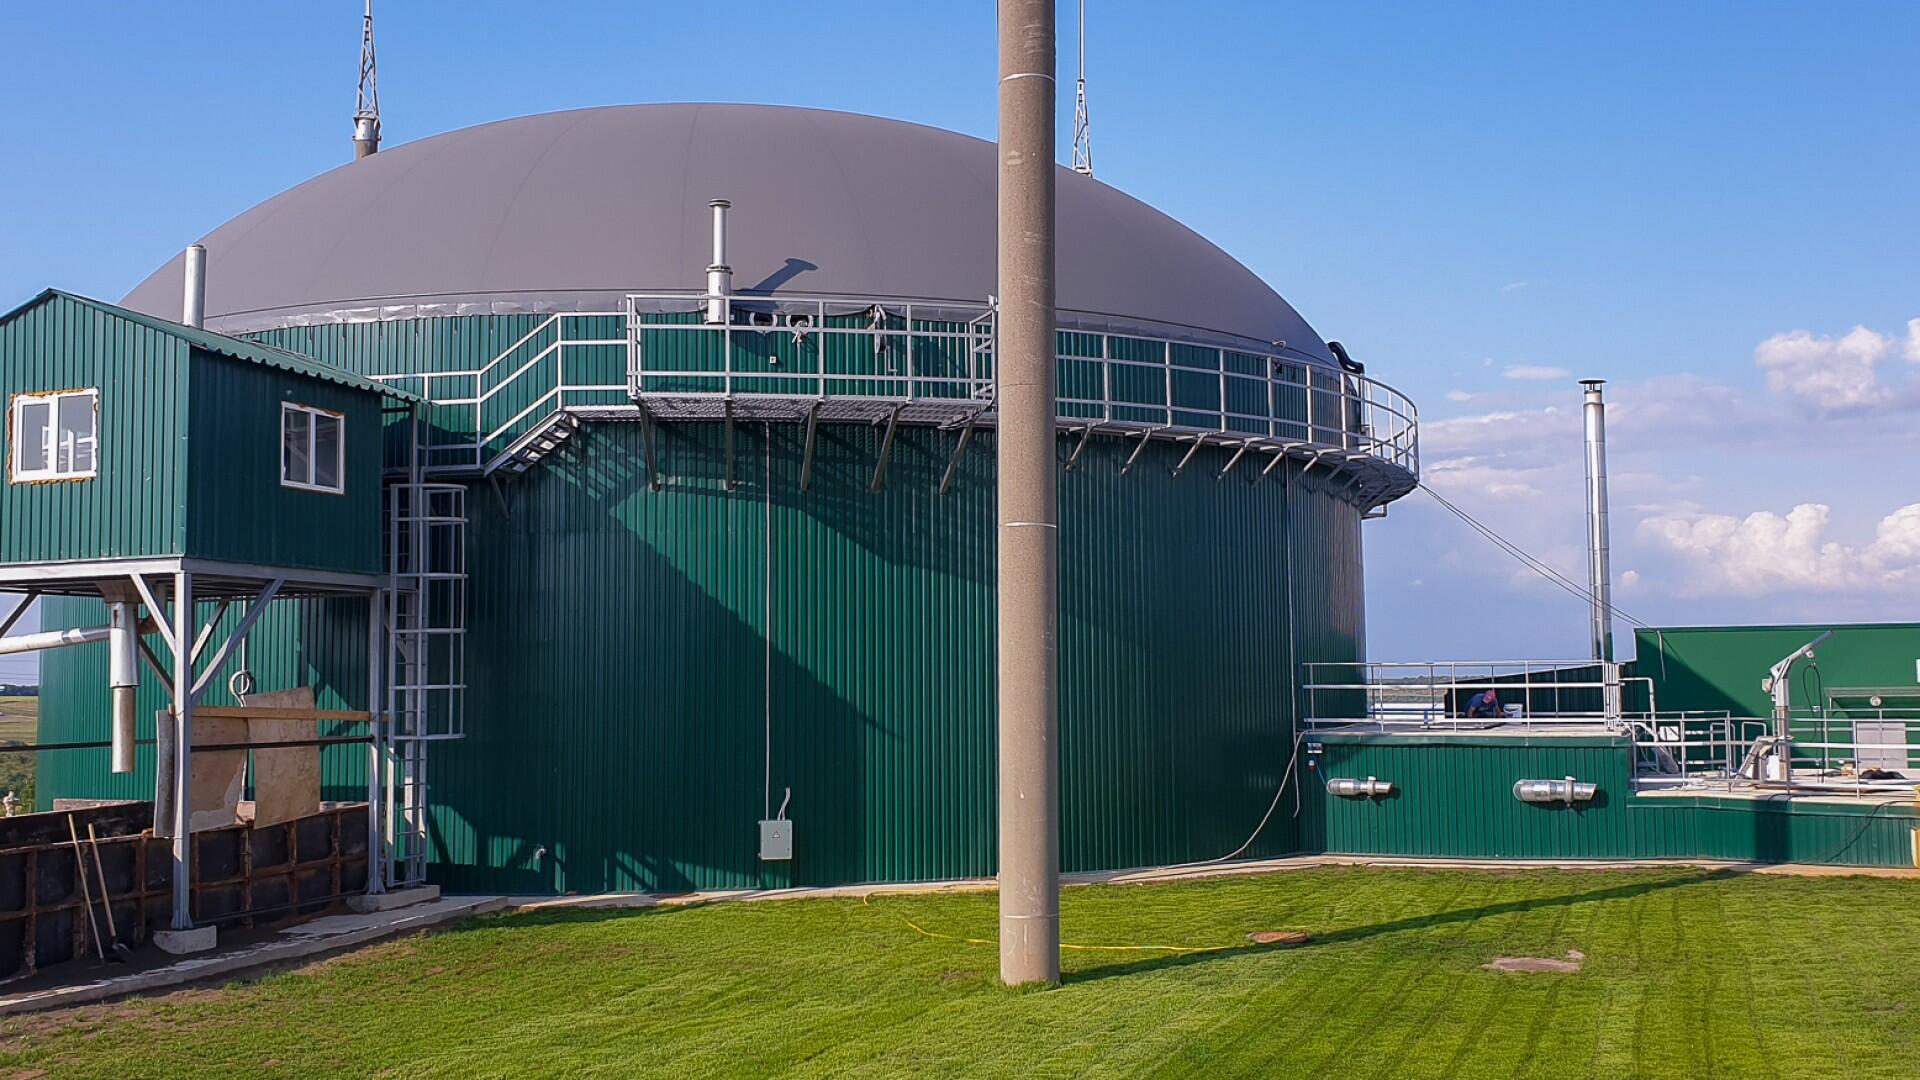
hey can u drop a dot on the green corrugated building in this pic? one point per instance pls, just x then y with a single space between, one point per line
644 543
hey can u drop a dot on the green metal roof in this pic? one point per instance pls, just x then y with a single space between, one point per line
234 348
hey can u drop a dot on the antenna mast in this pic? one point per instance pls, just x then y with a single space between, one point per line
366 110
1082 134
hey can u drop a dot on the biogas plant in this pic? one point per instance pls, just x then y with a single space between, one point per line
605 501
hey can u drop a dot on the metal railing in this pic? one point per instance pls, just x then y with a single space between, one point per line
1433 695
841 358
1858 748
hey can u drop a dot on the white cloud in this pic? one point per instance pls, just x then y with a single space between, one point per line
1513 286
1533 372
1764 551
1629 581
1458 395
1913 340
1832 374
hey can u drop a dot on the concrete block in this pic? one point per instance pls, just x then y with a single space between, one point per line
182 942
388 901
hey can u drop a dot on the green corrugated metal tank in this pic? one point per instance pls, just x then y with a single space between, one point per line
678 627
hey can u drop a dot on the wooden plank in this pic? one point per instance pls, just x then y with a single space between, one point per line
286 780
278 712
217 775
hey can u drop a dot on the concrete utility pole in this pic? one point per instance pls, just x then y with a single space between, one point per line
1029 503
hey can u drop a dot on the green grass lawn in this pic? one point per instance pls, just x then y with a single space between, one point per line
1688 974
19 723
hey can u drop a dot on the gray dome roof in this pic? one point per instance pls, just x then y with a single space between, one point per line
572 210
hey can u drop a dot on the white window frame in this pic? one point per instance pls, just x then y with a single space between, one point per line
16 424
314 414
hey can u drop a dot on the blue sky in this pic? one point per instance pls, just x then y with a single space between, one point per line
1657 194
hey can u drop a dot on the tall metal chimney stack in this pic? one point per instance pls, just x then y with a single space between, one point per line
193 297
366 110
719 274
1028 589
1599 571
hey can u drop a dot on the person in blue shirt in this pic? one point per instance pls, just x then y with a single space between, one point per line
1485 704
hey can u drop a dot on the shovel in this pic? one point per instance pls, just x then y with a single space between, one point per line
86 896
120 950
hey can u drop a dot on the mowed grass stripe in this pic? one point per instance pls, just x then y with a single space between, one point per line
1688 974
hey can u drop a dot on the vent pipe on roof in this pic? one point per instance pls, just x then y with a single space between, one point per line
719 274
193 302
1599 572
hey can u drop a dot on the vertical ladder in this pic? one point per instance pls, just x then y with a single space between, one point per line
426 619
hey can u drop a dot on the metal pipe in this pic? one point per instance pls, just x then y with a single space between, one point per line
193 300
719 274
1028 593
1568 791
123 666
1370 788
1599 572
52 639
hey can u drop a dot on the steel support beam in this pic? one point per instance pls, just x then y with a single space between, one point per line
376 661
1232 461
886 451
1186 457
255 609
806 455
953 460
1073 459
1145 437
182 751
726 416
1029 502
18 613
646 447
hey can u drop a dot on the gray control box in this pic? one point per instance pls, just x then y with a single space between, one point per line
776 840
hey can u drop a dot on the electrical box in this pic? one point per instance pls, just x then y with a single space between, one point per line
776 840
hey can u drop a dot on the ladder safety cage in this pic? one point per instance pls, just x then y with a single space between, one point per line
425 620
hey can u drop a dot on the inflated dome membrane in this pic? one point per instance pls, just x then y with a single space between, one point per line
570 211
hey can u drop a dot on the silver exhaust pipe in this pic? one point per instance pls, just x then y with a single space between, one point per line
719 274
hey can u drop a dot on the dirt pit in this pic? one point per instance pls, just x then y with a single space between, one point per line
1573 962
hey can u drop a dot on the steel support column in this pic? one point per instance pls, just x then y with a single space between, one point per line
1029 505
182 645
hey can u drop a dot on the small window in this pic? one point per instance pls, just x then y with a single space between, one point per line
313 449
55 436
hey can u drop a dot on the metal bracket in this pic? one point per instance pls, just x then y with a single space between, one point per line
646 446
256 608
20 612
1073 459
1188 456
806 455
953 460
1238 453
160 620
726 413
1145 436
886 449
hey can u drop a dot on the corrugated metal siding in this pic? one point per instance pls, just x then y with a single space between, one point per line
621 672
240 510
1454 799
317 643
136 506
1720 667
